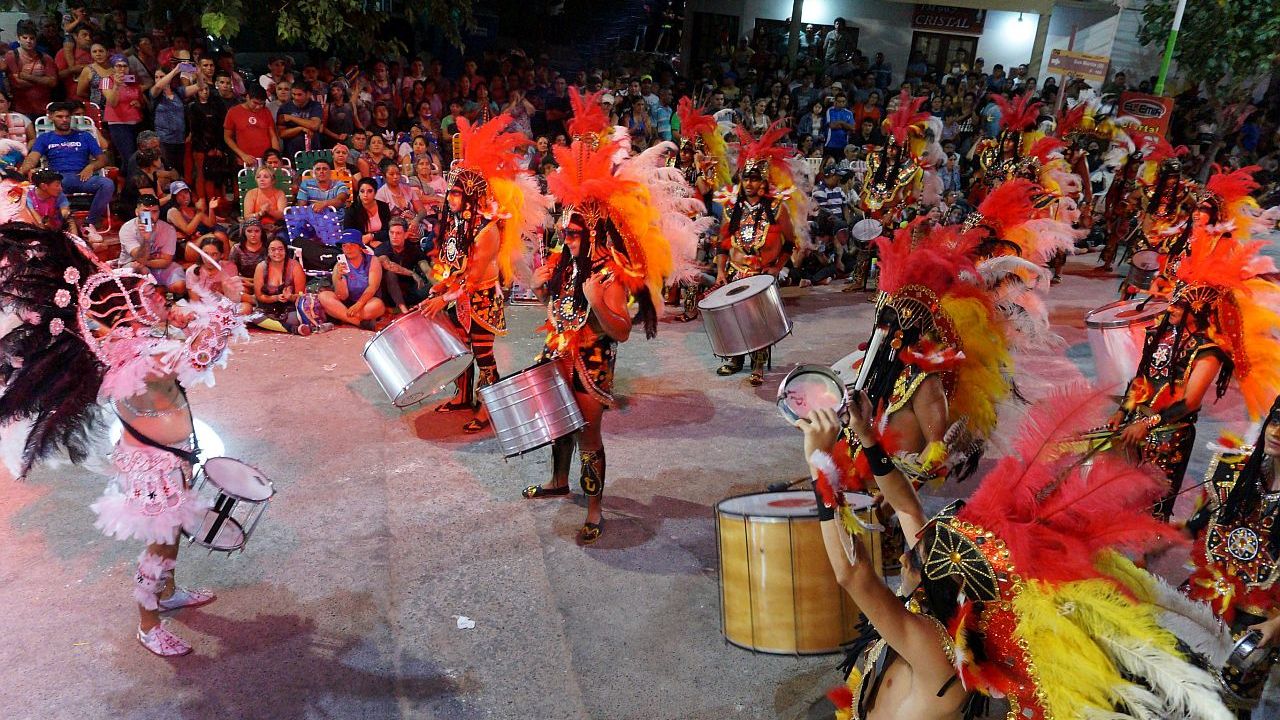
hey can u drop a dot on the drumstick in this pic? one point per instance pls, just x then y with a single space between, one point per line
864 372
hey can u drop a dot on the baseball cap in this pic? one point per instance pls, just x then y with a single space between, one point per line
148 200
351 236
607 98
178 186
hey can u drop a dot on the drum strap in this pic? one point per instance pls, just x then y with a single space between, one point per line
191 456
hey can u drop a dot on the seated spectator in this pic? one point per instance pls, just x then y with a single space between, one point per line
410 152
319 194
406 201
44 204
405 269
370 216
278 282
265 202
830 200
818 261
853 168
370 162
146 179
192 221
344 168
16 133
249 251
77 155
357 280
212 273
149 244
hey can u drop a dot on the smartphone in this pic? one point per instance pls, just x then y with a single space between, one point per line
130 79
186 67
145 222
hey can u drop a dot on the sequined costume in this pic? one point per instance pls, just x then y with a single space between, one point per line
1236 556
756 230
587 355
1223 308
1026 584
481 244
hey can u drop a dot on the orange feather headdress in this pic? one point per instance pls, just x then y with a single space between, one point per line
907 122
1225 277
486 169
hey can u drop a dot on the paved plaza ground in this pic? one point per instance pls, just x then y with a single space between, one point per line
388 525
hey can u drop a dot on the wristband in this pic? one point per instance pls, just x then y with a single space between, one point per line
824 513
878 459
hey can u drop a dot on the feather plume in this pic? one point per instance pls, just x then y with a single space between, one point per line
692 120
589 117
766 147
907 119
1046 148
1020 114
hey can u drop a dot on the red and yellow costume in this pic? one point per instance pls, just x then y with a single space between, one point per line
894 174
1035 603
1007 156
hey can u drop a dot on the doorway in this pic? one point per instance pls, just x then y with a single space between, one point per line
939 49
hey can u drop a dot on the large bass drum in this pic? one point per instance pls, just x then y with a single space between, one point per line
1116 335
416 357
744 316
778 593
532 408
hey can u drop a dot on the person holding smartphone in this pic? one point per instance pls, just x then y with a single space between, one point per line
149 244
124 105
357 280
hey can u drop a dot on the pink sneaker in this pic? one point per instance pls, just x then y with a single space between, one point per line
162 642
183 598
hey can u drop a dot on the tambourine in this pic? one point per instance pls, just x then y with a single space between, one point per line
811 387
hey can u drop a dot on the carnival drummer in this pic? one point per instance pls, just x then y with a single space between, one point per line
1237 555
758 225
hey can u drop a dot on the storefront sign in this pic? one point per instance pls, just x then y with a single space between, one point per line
941 18
1090 68
1152 113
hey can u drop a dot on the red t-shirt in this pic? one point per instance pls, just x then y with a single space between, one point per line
251 130
83 57
30 100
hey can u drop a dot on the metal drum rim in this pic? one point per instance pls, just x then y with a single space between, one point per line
1112 324
244 539
397 400
208 478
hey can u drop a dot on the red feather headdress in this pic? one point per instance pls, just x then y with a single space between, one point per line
907 120
693 122
1232 187
1160 150
764 152
1019 115
589 117
1045 147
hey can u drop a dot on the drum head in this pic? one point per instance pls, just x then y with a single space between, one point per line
230 535
736 291
1124 313
432 382
1145 260
846 368
786 504
237 479
808 388
868 229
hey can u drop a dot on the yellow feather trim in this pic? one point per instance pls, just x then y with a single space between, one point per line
981 379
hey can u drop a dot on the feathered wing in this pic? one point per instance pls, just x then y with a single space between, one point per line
682 217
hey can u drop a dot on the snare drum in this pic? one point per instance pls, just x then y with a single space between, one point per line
744 316
240 494
416 357
1143 268
532 408
811 387
778 593
1116 335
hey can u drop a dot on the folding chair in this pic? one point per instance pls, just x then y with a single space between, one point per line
304 159
245 181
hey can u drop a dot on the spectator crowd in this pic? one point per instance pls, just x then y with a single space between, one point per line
334 169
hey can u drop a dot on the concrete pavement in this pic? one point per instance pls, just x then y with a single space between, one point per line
389 524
